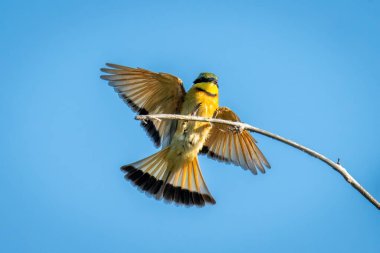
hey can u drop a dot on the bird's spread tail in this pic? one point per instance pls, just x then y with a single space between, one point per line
180 185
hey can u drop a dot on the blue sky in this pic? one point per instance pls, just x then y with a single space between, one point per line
307 70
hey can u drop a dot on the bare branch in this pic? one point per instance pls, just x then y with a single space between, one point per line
242 126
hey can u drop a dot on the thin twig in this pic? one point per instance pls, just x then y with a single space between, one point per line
336 166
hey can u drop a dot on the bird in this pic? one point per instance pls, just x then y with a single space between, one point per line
173 174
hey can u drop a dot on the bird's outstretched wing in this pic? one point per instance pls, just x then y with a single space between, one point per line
148 92
231 146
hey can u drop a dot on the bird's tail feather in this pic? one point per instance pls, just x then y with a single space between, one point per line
155 176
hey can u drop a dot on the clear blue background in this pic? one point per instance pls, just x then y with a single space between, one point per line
307 70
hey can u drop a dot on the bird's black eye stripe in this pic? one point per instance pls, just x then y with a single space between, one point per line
205 80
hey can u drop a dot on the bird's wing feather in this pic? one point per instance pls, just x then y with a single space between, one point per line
227 145
148 92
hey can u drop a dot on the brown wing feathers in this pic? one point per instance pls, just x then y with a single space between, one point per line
148 92
230 146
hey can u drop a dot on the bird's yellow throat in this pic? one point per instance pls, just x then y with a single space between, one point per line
209 87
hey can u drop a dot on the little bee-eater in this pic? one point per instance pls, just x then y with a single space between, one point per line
173 173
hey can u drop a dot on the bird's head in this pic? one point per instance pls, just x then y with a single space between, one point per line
207 81
206 77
